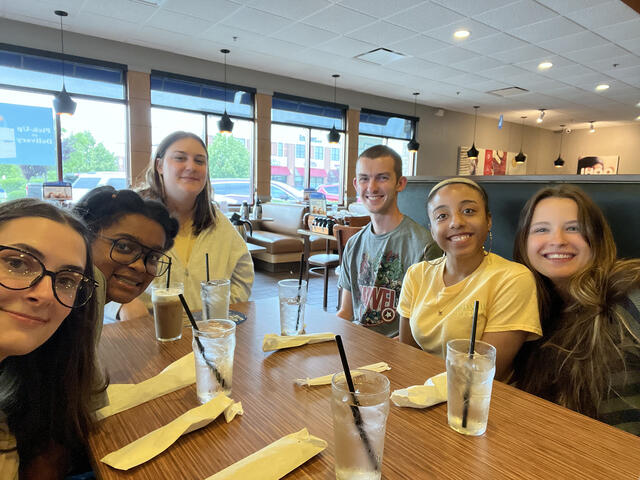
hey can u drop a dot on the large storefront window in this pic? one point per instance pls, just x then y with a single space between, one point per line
307 159
93 140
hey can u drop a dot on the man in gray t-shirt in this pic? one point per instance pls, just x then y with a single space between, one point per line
376 258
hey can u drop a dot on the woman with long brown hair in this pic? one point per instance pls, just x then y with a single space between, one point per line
589 357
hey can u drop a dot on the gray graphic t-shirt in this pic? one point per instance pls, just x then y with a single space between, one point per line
372 269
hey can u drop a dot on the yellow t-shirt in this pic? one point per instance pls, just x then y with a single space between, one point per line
506 291
184 241
9 460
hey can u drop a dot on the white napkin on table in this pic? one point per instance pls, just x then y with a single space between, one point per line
275 460
326 379
432 392
276 342
154 443
123 396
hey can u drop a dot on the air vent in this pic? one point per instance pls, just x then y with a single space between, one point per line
380 56
508 92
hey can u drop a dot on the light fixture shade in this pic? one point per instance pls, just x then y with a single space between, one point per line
63 103
413 146
559 162
334 135
473 151
521 157
225 125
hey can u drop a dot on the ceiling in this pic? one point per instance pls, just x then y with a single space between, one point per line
588 41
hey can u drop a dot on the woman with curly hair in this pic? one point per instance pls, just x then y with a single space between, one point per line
589 357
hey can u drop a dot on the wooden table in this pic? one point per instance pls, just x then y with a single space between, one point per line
527 438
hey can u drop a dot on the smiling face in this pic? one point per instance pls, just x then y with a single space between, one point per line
29 317
459 222
126 282
183 169
377 184
556 247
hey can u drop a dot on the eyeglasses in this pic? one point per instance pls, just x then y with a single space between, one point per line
20 270
126 251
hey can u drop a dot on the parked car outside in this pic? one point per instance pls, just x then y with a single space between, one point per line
89 181
237 190
34 190
331 191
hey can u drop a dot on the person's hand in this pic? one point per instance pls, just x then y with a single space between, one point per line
134 309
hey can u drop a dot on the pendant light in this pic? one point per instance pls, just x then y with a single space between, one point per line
473 151
559 162
521 157
225 125
334 135
592 129
62 101
413 144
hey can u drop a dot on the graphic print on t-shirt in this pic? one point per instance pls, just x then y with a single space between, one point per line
379 281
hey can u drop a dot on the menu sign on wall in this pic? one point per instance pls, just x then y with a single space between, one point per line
26 135
592 165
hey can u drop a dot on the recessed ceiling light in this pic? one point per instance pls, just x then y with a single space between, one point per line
602 87
462 33
545 65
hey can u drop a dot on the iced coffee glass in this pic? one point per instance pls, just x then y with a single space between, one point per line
167 311
469 382
214 343
359 424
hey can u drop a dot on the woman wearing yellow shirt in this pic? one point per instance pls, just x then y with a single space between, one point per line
437 298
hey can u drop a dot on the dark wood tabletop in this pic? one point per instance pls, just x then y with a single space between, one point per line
526 438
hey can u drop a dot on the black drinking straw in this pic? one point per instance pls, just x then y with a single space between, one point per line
302 262
354 408
206 262
213 368
169 273
472 347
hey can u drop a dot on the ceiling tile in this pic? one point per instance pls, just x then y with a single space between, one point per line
477 30
256 21
176 22
566 6
528 54
339 19
411 65
621 31
569 43
121 9
381 34
595 53
471 7
224 34
515 15
98 25
418 45
213 10
279 48
346 47
380 8
294 9
606 64
304 34
602 15
562 72
449 55
633 45
546 30
478 63
495 43
425 17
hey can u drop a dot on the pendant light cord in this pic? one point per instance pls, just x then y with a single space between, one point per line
62 45
475 125
522 134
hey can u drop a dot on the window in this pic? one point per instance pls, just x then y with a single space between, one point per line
303 125
93 139
389 129
280 149
196 105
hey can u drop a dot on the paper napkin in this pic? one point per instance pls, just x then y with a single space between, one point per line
432 392
326 379
179 374
276 460
154 443
276 342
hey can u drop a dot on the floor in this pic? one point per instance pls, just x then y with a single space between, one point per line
265 285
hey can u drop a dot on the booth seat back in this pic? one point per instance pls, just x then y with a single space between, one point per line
287 218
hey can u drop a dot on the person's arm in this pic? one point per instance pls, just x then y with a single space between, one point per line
346 306
405 333
242 278
51 464
507 345
134 309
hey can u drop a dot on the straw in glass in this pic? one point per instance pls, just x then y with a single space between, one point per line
302 263
206 263
213 368
169 273
355 411
472 347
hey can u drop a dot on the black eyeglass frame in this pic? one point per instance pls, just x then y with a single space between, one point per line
144 252
84 278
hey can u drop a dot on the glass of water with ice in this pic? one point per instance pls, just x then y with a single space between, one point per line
214 343
215 298
293 297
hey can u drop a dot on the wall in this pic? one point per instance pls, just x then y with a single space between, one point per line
439 137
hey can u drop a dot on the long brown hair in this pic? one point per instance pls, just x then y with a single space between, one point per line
583 333
47 394
204 214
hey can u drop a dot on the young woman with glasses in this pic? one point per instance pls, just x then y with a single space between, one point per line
47 367
130 236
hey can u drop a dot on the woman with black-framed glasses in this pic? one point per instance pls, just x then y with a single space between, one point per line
48 374
130 236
